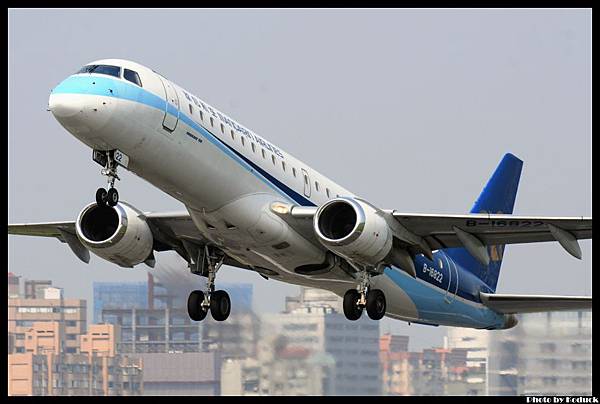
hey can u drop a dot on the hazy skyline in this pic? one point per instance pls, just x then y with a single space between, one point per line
410 109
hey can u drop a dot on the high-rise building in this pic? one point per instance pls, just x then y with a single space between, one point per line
473 379
395 369
154 330
71 314
319 328
154 318
545 354
432 368
119 295
44 369
279 369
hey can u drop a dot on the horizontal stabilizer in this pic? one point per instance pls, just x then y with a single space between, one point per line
513 304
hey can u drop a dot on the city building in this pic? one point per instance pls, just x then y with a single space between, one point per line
313 297
545 354
279 369
154 318
44 369
395 369
235 338
473 379
432 368
14 286
319 328
190 373
154 330
34 289
71 314
27 375
119 295
241 377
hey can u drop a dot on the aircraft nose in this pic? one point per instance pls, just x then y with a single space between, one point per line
64 105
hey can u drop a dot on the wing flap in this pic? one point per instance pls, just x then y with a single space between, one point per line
513 304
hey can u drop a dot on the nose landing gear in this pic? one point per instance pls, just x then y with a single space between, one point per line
355 300
106 159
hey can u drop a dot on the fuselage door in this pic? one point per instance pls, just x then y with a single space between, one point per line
171 106
306 180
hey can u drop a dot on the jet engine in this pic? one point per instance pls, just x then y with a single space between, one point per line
117 234
354 230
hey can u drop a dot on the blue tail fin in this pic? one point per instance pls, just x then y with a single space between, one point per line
498 196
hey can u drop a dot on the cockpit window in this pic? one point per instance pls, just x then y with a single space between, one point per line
132 76
102 69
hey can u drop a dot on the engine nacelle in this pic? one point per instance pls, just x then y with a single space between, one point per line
115 233
352 229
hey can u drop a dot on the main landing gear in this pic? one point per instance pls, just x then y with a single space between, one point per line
106 159
217 301
355 300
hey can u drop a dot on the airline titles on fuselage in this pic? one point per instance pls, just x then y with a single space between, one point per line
233 124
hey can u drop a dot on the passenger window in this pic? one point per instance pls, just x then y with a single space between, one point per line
132 76
243 141
263 153
283 165
191 109
232 135
327 192
201 115
212 123
273 159
253 147
222 129
317 186
294 172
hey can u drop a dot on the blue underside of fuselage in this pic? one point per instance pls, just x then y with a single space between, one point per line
443 303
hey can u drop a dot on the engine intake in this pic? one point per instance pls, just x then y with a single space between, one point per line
116 233
354 230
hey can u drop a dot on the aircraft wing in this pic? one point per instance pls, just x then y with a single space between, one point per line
473 230
49 229
513 304
171 231
429 232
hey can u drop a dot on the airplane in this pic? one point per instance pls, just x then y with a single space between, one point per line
253 206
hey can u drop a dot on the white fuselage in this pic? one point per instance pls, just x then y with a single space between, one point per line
225 175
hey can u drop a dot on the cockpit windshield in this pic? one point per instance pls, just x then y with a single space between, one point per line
101 69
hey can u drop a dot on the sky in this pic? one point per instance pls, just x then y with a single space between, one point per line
410 109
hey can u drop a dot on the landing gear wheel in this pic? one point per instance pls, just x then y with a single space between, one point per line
351 309
376 304
194 305
101 196
220 305
112 197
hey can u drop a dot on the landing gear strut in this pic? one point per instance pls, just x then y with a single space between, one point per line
355 300
106 159
217 301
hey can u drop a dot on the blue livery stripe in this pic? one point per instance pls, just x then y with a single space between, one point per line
99 85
